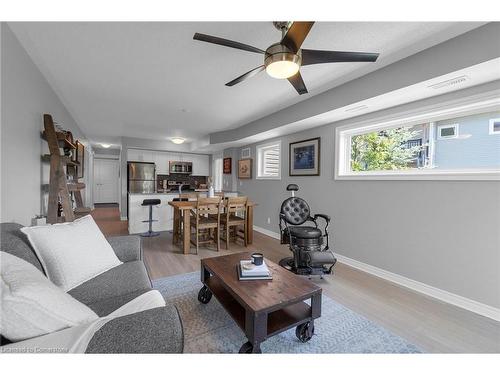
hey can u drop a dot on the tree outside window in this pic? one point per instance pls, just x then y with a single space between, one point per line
390 149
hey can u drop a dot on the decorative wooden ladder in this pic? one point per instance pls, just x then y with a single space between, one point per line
59 187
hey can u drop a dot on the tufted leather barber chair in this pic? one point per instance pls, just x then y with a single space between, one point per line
308 243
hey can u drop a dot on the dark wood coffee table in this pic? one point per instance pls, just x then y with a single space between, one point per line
261 308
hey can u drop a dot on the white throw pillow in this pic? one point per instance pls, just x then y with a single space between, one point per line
72 253
33 306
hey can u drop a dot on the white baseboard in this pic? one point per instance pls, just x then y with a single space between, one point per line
267 232
443 295
123 218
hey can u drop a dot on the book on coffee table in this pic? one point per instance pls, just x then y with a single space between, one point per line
255 273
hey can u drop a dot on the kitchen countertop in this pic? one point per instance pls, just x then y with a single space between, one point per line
174 192
168 193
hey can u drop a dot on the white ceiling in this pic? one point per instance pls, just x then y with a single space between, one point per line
152 80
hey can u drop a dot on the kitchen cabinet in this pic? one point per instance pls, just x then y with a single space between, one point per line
161 160
175 157
133 154
187 158
147 156
201 165
140 155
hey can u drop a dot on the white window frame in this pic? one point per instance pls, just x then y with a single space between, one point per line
454 126
258 156
492 128
474 105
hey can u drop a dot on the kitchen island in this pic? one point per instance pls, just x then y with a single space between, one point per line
164 213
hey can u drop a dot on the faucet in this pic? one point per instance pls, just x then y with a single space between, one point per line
180 188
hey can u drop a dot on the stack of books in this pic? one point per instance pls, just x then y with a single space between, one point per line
248 271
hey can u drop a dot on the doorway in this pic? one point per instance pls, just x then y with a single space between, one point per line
106 180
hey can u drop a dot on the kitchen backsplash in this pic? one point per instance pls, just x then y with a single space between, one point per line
193 181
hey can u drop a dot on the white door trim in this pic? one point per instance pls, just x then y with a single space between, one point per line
118 180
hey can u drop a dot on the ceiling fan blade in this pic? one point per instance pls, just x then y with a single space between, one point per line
312 56
247 75
296 35
226 42
298 83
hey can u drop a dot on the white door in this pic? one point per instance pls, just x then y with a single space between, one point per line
106 180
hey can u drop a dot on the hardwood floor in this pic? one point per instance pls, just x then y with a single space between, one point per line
434 326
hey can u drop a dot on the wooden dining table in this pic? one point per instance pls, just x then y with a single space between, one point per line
181 212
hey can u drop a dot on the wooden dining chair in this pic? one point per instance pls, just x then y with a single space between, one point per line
234 216
205 220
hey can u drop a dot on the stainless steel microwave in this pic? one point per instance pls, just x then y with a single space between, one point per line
184 167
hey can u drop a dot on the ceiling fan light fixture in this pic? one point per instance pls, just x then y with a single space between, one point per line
282 69
178 140
281 62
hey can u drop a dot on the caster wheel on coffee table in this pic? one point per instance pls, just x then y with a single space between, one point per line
248 348
204 295
305 332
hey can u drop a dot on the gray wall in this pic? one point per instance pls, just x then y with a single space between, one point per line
25 97
442 233
229 181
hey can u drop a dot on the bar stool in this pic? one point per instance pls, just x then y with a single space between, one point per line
150 203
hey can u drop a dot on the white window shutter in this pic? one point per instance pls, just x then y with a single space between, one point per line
269 161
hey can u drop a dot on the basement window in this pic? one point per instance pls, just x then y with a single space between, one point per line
448 131
418 146
495 126
269 161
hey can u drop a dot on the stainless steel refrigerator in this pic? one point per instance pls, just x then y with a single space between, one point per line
141 177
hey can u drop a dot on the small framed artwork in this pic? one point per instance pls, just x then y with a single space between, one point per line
80 158
245 168
245 153
226 165
305 157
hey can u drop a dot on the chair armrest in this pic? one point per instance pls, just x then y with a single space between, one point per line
126 248
323 216
283 219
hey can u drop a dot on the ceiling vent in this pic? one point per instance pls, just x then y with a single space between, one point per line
450 82
357 108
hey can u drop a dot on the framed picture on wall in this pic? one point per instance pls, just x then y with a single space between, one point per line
245 168
245 153
80 158
226 165
305 157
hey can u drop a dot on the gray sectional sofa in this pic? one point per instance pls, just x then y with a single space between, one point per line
157 330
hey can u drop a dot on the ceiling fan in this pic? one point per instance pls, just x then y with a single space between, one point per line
283 60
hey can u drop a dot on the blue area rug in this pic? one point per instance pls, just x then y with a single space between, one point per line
209 329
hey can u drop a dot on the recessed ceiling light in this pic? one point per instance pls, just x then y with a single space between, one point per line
105 145
177 140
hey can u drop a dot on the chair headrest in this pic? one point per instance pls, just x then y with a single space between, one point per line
292 187
295 211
